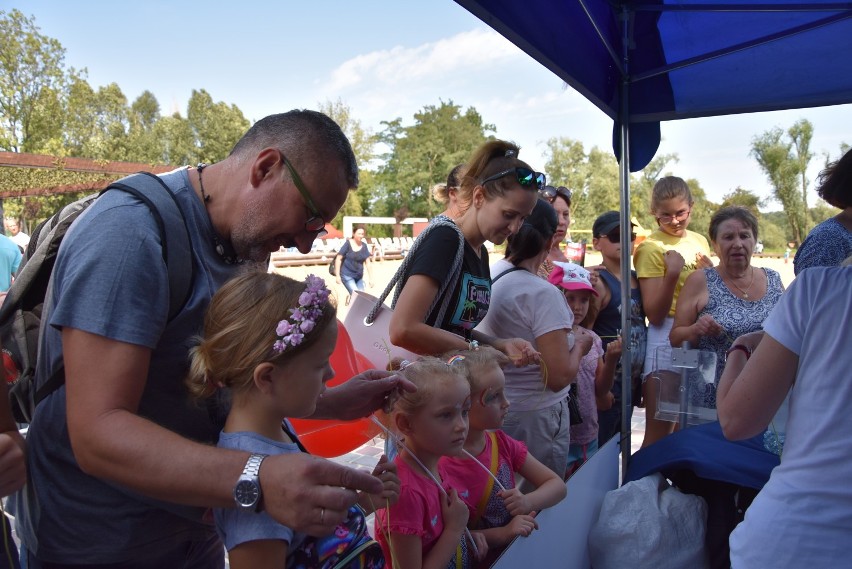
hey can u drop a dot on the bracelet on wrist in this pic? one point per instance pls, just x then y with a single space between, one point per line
738 347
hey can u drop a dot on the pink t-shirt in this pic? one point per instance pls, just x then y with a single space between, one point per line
471 480
587 431
417 512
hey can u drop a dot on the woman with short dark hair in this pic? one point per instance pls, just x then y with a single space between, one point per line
831 241
720 303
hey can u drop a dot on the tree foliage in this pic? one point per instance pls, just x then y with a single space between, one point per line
422 154
363 145
593 179
31 74
783 168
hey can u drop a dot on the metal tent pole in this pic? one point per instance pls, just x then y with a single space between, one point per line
626 246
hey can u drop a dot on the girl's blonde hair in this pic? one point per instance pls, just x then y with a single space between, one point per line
428 373
472 362
240 330
667 188
491 158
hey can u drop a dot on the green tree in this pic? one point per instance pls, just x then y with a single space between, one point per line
363 145
176 140
601 192
31 76
775 157
142 144
801 134
422 154
743 198
216 126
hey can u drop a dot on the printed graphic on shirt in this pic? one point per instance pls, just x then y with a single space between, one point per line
473 301
638 337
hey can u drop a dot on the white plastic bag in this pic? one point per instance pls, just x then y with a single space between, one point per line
649 523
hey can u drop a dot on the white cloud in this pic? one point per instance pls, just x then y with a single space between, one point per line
427 62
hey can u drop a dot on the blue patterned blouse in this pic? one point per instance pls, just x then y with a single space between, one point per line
827 245
736 316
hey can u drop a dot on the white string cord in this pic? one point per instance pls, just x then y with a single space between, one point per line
401 445
486 469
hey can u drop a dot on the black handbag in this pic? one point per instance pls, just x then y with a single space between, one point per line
575 418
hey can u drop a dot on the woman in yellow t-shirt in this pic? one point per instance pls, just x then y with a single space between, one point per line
663 261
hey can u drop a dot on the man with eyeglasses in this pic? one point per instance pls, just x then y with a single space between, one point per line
122 464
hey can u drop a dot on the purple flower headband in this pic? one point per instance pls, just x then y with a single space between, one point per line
291 331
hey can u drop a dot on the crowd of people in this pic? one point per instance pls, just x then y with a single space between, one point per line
170 438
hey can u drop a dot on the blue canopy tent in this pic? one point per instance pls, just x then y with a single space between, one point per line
646 62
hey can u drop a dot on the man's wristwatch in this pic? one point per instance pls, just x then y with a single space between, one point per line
247 491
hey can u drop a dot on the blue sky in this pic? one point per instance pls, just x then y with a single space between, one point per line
385 59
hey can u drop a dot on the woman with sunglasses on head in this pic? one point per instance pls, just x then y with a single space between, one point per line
663 261
499 191
560 199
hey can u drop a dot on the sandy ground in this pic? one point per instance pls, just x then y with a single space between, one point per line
383 271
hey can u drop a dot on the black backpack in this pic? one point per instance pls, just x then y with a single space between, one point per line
20 315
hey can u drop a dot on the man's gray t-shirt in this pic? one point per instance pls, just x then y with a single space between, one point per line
110 279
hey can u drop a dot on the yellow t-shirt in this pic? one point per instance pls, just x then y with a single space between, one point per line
649 263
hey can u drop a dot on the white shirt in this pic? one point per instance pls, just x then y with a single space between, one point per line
803 516
21 239
524 305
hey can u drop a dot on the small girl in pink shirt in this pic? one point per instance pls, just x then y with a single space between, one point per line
427 526
496 506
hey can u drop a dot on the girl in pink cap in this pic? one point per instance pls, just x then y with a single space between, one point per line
596 374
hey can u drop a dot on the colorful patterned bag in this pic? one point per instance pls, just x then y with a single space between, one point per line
349 547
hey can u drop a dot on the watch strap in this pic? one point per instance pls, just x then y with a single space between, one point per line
252 467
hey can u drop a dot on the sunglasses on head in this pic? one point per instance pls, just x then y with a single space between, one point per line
614 236
549 193
524 176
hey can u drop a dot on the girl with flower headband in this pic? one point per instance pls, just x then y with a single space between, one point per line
427 526
485 474
267 341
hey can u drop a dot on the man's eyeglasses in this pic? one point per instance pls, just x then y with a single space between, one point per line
549 193
524 176
678 216
614 236
315 223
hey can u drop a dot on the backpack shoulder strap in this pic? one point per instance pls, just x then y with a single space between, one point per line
177 246
504 273
402 272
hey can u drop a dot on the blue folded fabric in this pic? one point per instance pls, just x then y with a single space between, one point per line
705 450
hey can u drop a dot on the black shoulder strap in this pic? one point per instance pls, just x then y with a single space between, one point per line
177 250
177 247
506 272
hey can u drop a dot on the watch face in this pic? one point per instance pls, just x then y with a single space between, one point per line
247 493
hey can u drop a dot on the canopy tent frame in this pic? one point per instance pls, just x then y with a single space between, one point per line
603 74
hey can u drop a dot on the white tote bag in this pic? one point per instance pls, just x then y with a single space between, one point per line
372 340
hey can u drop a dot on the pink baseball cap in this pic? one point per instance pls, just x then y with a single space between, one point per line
571 276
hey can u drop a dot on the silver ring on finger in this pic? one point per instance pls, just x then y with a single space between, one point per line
322 516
